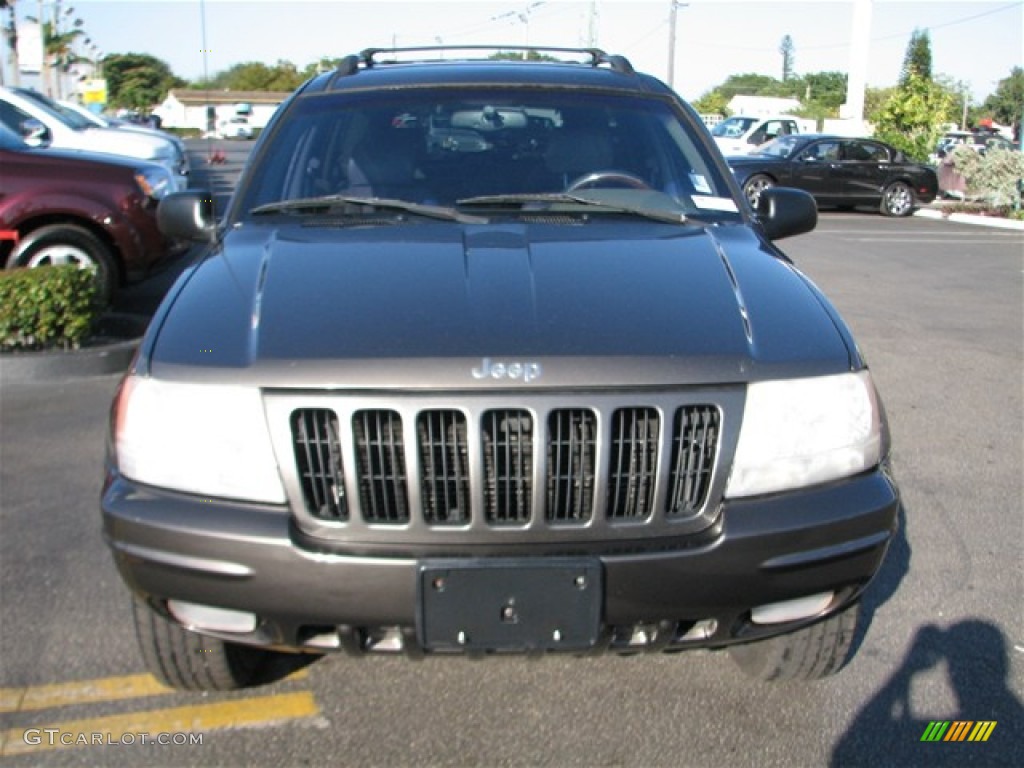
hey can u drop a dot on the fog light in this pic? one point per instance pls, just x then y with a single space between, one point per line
196 616
791 610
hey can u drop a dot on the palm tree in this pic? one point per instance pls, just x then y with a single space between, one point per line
11 34
59 50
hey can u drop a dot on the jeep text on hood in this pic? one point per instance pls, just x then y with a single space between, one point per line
492 356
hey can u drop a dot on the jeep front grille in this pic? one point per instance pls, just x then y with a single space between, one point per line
558 468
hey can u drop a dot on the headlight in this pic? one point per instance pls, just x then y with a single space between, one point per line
800 432
155 182
205 439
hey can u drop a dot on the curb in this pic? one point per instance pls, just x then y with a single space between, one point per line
98 360
970 218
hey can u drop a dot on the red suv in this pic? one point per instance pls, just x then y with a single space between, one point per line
69 207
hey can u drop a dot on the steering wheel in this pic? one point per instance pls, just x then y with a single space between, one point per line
598 178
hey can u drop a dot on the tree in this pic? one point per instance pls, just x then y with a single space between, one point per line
59 50
518 56
255 76
786 49
874 100
825 89
10 33
137 80
712 102
1006 103
913 118
918 59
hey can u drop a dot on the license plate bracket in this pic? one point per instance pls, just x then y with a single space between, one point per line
472 605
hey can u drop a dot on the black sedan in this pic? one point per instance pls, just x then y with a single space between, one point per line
838 171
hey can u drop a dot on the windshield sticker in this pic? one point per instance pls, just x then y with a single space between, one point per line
715 203
700 184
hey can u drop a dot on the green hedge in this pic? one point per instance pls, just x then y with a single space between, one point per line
46 307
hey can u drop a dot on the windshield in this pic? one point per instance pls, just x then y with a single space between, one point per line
733 128
784 146
67 116
439 146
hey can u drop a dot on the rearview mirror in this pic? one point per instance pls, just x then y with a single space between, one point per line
34 133
188 216
784 212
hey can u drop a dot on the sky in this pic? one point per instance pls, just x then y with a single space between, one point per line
972 41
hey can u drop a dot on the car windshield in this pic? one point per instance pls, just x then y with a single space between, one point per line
67 116
439 146
784 146
733 128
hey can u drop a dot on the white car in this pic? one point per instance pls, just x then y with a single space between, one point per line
104 121
39 120
234 128
742 134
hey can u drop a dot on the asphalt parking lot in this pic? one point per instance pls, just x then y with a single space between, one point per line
938 308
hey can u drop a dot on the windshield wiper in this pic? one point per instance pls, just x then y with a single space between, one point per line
522 200
335 201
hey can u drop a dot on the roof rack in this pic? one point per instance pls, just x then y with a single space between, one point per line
370 57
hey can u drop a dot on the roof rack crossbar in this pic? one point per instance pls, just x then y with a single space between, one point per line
369 56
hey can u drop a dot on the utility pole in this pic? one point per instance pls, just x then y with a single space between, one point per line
674 6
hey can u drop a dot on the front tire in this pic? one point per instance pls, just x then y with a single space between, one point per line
754 186
897 200
182 659
67 244
810 653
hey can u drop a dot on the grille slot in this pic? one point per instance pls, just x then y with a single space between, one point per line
633 464
318 457
507 437
571 464
444 457
694 445
397 469
380 462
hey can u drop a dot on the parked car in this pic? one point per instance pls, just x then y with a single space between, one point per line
105 121
95 211
839 172
40 121
487 357
740 134
979 141
234 128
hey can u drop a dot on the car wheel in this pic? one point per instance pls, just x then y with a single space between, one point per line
67 244
188 661
810 653
897 200
755 184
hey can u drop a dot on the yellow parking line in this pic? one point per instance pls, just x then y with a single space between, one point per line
79 692
37 697
264 710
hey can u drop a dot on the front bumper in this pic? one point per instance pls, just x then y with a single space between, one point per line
656 596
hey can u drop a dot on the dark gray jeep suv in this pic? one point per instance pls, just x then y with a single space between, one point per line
492 356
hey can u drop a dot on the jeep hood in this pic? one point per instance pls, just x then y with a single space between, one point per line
423 304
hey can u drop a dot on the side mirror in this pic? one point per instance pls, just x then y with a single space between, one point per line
188 216
784 212
34 133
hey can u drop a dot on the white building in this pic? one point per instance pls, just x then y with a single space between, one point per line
190 109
